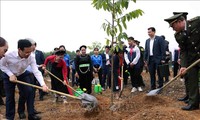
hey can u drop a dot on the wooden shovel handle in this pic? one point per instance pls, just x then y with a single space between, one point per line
59 79
54 91
188 68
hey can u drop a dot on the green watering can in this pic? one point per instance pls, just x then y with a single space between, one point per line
78 92
97 88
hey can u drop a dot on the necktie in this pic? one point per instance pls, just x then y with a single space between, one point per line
131 51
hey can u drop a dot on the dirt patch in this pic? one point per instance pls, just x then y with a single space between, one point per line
135 106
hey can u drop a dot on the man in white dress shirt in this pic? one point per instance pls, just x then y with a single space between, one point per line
14 65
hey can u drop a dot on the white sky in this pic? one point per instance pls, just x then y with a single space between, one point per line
74 23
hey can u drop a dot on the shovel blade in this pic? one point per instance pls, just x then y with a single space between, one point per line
154 92
88 101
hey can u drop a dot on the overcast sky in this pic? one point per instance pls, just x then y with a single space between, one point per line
74 23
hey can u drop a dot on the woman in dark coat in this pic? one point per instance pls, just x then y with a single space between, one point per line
83 66
118 60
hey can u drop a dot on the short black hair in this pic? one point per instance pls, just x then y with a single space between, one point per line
62 46
118 51
107 46
96 49
2 42
22 43
56 49
60 52
131 38
152 29
82 47
77 51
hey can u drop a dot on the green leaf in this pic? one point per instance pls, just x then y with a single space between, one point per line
117 48
107 41
108 30
115 30
120 28
126 4
124 22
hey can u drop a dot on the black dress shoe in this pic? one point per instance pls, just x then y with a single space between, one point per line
190 107
1 101
36 112
22 116
183 98
34 117
186 101
41 98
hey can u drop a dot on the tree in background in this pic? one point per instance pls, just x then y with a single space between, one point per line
115 27
95 44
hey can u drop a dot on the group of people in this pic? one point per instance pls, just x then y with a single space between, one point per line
28 65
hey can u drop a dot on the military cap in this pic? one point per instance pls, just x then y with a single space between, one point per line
184 14
174 18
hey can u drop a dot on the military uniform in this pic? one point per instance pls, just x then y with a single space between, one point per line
189 43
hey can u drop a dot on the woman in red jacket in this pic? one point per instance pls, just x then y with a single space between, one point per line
59 69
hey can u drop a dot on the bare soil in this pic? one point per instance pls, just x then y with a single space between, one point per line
132 106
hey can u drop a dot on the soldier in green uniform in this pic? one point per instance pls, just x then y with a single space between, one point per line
187 35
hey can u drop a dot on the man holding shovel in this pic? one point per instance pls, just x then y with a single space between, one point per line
14 66
187 35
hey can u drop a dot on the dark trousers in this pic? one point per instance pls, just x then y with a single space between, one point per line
85 81
175 68
25 91
106 76
191 82
125 74
2 91
68 72
100 75
135 73
22 99
140 77
153 67
74 79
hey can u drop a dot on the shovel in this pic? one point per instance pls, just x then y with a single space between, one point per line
122 82
157 91
84 97
88 101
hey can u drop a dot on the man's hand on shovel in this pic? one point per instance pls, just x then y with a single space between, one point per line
64 82
45 88
13 78
183 71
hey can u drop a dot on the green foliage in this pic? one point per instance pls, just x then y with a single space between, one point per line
95 44
46 54
116 27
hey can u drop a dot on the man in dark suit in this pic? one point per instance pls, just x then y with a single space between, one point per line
187 35
106 58
39 56
154 56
